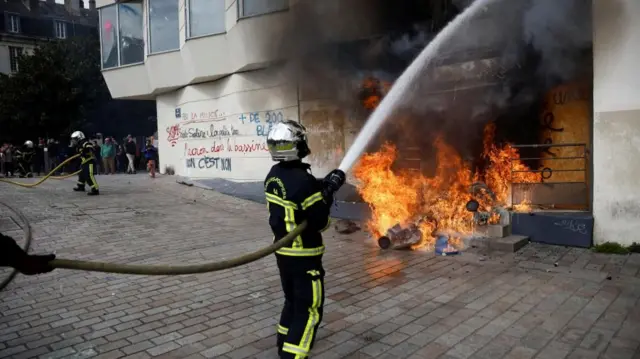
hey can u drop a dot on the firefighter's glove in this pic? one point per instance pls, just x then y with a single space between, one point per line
35 264
332 183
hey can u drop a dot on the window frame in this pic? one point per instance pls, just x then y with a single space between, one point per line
147 9
117 40
60 24
188 36
241 10
14 59
10 17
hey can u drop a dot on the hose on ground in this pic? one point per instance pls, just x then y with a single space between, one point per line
139 269
49 175
26 227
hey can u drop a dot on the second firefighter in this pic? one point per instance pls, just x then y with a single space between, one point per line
87 164
294 195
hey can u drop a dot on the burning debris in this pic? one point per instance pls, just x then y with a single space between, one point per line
411 209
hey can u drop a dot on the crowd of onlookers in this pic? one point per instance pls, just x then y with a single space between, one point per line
111 157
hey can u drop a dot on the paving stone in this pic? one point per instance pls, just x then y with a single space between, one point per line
379 304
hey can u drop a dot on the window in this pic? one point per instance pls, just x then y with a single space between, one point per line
164 30
130 33
14 56
14 23
109 36
259 7
121 34
61 29
206 17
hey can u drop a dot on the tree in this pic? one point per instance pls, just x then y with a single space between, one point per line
58 89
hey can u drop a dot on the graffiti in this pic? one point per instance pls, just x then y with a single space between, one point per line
211 132
230 146
571 95
268 117
206 162
202 150
573 226
173 134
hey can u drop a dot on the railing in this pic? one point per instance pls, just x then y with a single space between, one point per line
565 186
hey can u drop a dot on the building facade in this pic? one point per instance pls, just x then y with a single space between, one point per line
216 72
26 24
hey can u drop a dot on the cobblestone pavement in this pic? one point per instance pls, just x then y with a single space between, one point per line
392 304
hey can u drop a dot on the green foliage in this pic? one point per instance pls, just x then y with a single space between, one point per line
634 247
611 248
53 91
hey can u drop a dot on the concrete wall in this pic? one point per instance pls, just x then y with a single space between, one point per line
616 137
218 129
249 44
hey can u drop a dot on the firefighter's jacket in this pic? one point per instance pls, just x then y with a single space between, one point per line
25 155
294 195
86 151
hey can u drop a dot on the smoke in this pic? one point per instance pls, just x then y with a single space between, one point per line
534 45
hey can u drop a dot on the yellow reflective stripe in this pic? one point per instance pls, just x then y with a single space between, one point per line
301 252
311 200
304 347
93 179
277 200
314 315
283 330
293 349
290 222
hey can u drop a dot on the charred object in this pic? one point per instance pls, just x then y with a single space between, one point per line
480 191
399 237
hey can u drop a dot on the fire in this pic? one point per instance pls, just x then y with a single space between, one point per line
438 203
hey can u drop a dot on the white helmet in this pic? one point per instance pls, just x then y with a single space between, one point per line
28 144
287 141
77 136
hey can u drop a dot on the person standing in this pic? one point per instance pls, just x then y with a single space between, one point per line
294 195
87 163
108 154
150 155
130 149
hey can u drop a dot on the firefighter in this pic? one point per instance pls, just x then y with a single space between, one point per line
11 255
293 194
88 163
24 157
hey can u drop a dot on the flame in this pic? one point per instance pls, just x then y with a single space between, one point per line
438 203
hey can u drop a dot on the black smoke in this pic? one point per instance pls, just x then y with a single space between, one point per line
538 43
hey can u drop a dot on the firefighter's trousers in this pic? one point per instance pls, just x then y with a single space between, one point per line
303 285
86 174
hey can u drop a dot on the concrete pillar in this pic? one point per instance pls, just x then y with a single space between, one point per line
616 129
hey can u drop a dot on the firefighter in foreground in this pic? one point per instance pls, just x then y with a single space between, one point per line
88 163
293 195
24 157
11 255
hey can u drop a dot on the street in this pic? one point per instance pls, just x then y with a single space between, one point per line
544 302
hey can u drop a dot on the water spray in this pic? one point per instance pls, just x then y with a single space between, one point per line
391 101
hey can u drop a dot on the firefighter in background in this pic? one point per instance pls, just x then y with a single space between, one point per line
87 163
24 158
293 195
11 255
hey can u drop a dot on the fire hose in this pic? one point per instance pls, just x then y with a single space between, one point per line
152 269
49 175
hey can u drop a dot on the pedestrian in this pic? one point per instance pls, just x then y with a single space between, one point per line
293 194
130 150
52 154
150 156
8 160
108 153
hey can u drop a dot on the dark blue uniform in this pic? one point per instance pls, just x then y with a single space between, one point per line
87 166
293 195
